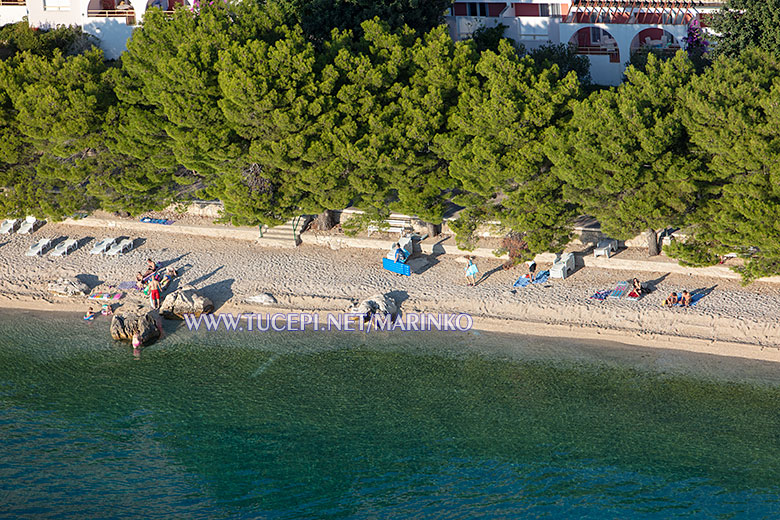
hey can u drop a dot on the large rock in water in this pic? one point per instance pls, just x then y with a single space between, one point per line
183 301
69 287
140 320
381 304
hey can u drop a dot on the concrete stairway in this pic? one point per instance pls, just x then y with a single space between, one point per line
285 235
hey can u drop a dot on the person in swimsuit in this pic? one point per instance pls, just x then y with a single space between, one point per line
90 315
531 269
637 286
685 299
106 310
671 300
154 293
150 267
167 277
471 272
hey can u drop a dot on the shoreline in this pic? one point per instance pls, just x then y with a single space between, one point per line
731 320
570 331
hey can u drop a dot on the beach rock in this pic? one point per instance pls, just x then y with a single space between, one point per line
69 287
262 299
141 320
381 304
183 301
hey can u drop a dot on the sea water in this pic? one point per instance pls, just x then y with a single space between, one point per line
219 425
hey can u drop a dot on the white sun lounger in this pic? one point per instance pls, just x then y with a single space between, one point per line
102 246
38 248
122 247
28 226
65 247
9 226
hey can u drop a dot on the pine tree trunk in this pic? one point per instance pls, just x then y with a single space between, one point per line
433 229
325 220
652 243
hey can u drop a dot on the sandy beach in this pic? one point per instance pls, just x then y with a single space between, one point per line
731 320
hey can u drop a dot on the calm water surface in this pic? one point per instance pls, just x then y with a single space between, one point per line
344 426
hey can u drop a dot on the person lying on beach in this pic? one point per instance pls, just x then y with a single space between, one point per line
685 299
90 315
671 300
167 277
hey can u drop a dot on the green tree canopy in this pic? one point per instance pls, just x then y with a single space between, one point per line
624 156
732 113
496 149
319 17
741 24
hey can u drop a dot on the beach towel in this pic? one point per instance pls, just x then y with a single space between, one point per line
633 295
163 221
601 295
126 286
619 290
522 281
105 296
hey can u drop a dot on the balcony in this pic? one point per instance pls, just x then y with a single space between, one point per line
111 9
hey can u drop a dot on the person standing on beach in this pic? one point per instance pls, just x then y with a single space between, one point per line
154 293
531 269
471 271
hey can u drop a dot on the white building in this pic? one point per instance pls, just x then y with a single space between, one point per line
111 21
607 31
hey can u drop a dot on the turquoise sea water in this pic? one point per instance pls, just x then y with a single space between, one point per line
347 426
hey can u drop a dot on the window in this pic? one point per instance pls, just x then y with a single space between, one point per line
476 9
549 9
595 35
56 5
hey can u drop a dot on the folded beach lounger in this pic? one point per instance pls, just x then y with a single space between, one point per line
619 290
102 246
396 267
122 247
39 247
65 248
9 226
29 225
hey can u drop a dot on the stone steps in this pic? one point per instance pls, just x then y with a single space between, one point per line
284 235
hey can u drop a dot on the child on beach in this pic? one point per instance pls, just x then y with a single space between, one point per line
471 271
90 315
154 292
671 300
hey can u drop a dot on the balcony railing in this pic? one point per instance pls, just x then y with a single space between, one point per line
600 50
13 2
127 14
